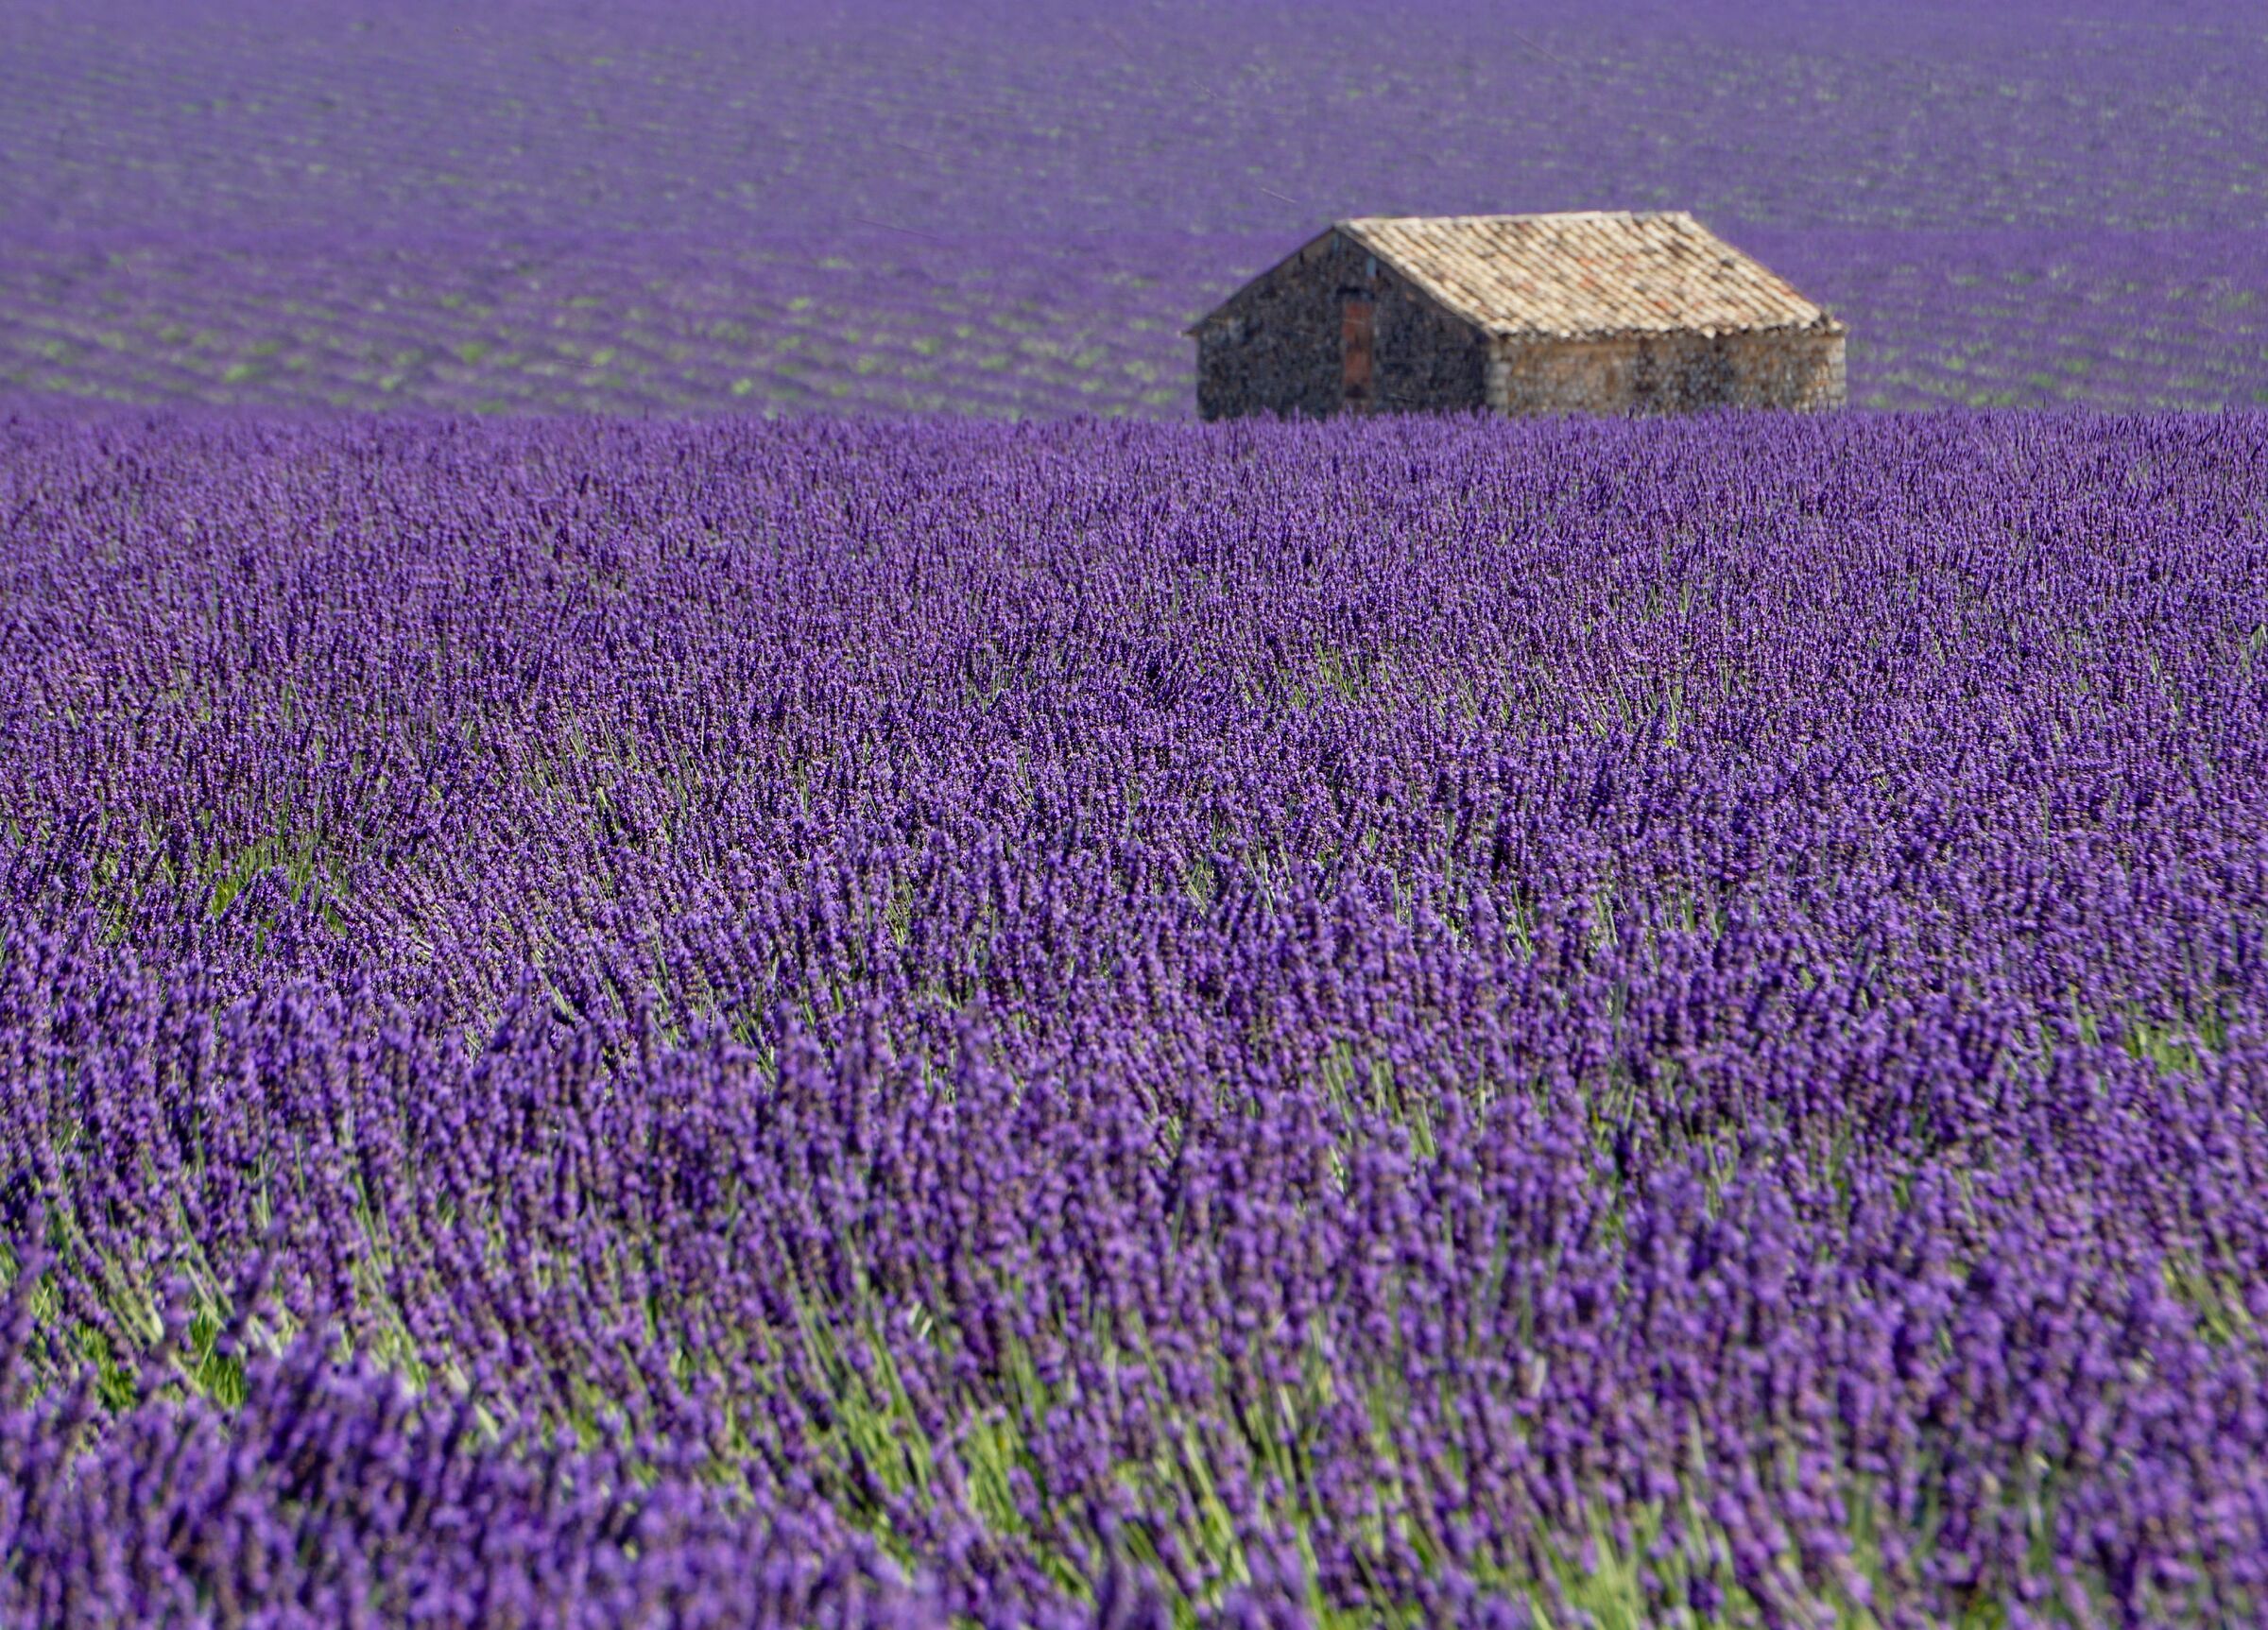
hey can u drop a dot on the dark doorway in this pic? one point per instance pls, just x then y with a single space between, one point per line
1355 351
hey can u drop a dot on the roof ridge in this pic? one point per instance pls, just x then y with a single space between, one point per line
1531 215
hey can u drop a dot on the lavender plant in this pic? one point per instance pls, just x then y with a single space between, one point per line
1405 1022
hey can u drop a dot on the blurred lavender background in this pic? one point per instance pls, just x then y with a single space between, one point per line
1005 211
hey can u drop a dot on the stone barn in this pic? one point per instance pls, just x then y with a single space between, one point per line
1591 313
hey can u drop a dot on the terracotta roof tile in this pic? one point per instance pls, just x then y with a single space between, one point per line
1581 274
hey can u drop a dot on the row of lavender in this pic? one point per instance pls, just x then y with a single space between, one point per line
698 120
871 322
1424 1022
957 208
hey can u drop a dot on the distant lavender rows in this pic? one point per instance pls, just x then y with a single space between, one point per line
1423 1022
974 208
876 322
694 119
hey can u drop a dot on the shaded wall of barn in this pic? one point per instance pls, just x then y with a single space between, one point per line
1667 373
1279 345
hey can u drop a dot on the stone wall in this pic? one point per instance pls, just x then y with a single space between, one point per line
1277 346
1280 346
1669 373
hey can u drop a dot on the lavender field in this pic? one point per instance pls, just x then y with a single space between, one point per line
1415 1023
925 207
689 937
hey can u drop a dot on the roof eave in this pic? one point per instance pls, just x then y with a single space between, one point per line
1413 276
1828 327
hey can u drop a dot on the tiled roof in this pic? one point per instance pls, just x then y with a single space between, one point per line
1595 273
